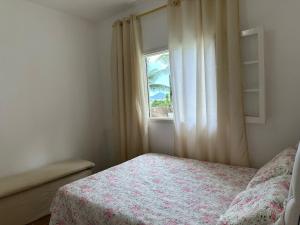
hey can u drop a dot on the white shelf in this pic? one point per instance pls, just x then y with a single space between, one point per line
254 119
251 90
251 62
260 92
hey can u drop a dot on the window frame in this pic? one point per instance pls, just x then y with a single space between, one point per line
145 55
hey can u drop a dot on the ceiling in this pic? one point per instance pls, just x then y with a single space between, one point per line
89 9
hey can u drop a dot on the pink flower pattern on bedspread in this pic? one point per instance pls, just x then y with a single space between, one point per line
151 189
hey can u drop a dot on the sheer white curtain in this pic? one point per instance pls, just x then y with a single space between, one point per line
207 84
130 107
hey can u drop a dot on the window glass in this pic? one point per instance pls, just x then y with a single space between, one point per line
159 85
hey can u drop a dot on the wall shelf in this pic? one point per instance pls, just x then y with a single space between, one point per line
251 90
253 67
251 62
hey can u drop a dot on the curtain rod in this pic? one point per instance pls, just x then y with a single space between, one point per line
146 13
151 11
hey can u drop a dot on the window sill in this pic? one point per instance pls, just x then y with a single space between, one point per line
161 119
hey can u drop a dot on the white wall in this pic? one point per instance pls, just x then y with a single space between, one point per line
279 19
49 88
282 35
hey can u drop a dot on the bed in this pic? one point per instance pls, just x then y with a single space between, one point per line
164 190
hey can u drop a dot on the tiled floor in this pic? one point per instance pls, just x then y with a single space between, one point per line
43 221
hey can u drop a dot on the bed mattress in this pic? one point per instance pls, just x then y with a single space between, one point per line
151 189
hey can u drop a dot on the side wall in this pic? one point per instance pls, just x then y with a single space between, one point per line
279 20
49 88
282 49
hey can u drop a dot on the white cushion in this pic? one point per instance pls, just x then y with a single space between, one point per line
25 181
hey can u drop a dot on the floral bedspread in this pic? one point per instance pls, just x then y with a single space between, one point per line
151 189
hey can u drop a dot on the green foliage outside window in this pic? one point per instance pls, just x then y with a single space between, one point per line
162 103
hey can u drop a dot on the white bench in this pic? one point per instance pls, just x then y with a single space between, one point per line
26 197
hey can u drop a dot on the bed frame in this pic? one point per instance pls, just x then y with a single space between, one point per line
292 212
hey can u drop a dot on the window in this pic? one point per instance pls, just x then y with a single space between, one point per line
159 85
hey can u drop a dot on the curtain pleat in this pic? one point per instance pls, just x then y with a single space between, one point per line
204 45
130 107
